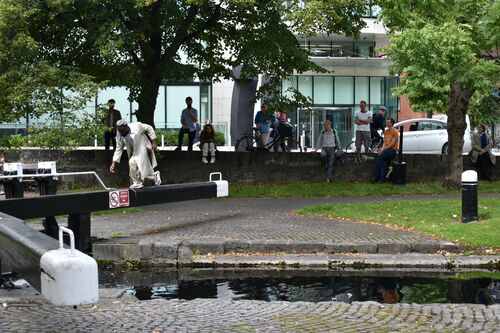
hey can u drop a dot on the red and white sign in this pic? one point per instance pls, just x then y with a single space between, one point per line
118 198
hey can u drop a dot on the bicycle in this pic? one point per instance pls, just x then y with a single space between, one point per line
283 142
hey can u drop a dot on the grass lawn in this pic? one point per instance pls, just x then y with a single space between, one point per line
440 218
345 189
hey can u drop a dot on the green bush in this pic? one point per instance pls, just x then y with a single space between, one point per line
171 137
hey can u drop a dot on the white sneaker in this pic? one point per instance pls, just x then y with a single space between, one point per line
157 178
212 160
136 185
204 159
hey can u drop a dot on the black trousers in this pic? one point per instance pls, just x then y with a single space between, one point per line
191 136
109 137
484 165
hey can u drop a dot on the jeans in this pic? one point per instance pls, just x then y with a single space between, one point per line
109 137
328 154
191 135
383 160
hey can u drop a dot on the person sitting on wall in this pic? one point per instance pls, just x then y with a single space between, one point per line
140 141
387 152
207 143
481 153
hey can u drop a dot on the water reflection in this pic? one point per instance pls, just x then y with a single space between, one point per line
337 288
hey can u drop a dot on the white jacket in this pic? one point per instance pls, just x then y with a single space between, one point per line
141 151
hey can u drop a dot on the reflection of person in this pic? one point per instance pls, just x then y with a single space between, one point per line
481 152
140 141
207 143
377 124
263 121
110 119
362 119
328 142
387 152
189 118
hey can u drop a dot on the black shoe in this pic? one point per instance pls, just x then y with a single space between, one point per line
178 149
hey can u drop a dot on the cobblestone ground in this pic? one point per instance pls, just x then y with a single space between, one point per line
211 315
246 219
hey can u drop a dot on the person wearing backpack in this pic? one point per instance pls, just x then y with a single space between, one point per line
328 142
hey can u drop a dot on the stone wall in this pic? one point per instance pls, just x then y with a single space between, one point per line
236 167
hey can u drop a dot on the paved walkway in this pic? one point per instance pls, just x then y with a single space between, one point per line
125 314
251 220
244 223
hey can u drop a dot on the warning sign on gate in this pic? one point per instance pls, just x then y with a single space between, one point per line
118 198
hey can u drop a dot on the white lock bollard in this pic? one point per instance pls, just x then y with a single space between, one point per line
222 185
69 277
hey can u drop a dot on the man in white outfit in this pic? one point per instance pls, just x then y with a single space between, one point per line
140 140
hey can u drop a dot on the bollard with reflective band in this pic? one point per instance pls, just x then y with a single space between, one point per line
469 196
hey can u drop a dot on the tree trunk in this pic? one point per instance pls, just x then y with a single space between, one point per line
459 103
150 84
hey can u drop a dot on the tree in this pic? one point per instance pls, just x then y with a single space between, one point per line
140 43
447 54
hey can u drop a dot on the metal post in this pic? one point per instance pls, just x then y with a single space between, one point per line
14 188
80 225
469 196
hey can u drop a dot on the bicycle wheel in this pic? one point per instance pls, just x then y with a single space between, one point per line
245 143
289 144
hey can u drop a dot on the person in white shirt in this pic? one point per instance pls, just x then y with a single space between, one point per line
363 119
140 141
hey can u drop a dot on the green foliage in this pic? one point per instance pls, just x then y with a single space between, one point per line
77 43
446 52
485 110
170 138
440 218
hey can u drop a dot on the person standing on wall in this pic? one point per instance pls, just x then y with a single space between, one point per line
328 142
263 120
362 119
109 120
377 124
189 118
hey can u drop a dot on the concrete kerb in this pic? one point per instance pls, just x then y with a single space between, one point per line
357 261
283 253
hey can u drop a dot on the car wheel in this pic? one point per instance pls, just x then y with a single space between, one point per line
444 151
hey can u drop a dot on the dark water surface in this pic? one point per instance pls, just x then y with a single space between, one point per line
309 285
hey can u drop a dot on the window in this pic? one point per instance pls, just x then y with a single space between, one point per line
323 90
344 90
305 86
362 89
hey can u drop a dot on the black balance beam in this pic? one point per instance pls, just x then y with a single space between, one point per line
86 202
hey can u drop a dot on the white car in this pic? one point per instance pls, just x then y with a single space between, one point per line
428 136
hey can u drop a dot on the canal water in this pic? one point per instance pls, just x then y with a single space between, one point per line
310 286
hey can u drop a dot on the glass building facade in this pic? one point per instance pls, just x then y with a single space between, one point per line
170 103
337 98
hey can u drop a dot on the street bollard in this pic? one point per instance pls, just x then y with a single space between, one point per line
469 196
